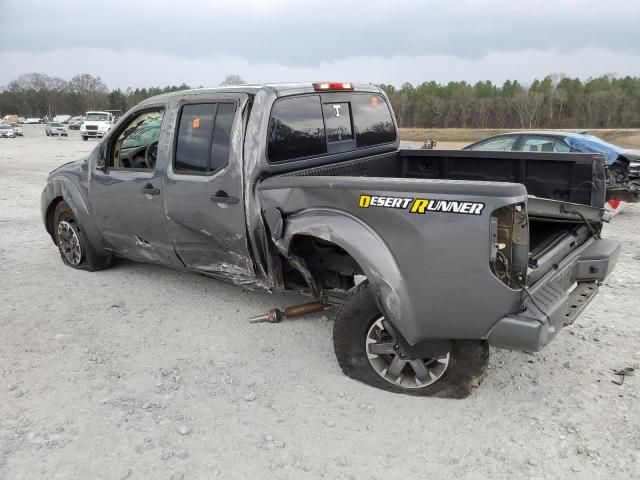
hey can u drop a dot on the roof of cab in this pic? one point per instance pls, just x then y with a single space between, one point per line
280 89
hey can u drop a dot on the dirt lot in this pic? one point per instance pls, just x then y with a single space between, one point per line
141 372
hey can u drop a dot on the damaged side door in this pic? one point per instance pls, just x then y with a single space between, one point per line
125 189
203 191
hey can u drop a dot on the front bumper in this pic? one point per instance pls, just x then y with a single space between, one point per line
553 303
93 133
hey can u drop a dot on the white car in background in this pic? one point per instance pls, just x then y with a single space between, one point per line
17 129
32 121
6 131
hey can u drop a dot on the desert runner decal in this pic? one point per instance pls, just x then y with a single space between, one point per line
421 205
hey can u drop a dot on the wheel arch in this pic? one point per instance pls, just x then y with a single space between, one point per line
60 188
368 250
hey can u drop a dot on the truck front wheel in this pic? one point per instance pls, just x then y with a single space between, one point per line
367 350
75 248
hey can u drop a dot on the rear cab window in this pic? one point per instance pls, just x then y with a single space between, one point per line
317 124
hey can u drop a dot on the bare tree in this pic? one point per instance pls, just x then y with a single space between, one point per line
232 79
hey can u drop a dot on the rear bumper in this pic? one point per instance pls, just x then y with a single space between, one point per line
553 303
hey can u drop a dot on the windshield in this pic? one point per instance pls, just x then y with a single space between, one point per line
591 144
5 126
97 117
56 124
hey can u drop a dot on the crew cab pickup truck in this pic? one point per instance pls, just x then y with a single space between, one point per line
432 255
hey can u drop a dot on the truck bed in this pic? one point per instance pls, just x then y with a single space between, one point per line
563 189
538 211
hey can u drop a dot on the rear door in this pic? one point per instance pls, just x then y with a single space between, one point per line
203 191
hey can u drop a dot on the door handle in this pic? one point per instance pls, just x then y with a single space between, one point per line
222 197
149 189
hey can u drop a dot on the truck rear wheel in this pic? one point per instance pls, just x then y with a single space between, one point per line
368 351
75 248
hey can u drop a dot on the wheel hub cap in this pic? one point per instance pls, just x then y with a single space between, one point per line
69 243
389 361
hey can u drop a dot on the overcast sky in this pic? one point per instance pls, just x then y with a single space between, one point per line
158 42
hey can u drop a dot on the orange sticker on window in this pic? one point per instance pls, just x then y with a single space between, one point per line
374 101
196 123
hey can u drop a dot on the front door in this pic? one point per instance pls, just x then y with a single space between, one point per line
126 195
203 191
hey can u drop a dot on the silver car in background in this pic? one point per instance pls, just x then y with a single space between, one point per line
56 128
6 131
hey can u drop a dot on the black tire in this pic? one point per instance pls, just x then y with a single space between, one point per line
89 259
84 138
467 365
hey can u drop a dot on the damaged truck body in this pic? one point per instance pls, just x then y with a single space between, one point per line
433 255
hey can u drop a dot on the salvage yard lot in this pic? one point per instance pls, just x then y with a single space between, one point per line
145 372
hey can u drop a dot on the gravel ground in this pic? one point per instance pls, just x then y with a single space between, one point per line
145 372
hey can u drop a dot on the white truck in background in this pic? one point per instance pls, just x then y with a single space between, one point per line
96 125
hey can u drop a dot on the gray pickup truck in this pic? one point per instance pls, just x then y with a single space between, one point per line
432 255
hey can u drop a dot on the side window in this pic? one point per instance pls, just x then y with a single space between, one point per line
496 144
296 129
136 145
372 119
543 144
204 137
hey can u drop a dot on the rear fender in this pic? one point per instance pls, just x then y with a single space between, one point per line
365 246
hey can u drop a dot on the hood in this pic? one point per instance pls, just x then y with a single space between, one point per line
74 165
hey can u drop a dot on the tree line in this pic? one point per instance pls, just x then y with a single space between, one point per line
553 102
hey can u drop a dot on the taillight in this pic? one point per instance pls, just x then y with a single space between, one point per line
325 86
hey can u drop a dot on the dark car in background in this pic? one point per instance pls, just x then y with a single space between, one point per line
561 142
623 165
